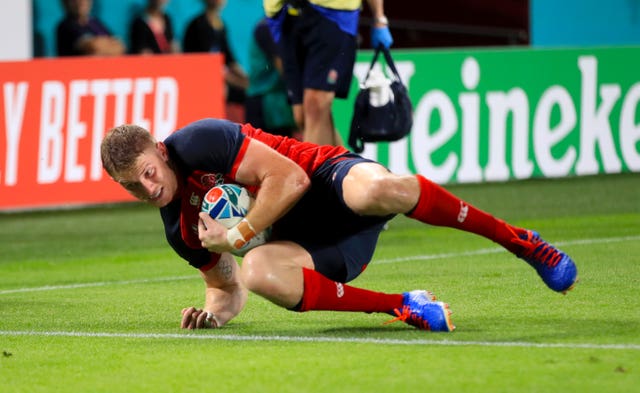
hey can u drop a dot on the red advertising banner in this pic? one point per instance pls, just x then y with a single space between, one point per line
55 112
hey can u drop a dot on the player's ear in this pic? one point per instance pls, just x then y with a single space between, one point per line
162 149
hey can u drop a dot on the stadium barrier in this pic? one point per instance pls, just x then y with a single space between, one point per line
504 114
479 115
56 111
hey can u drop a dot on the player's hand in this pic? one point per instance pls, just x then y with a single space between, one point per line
212 234
194 318
381 36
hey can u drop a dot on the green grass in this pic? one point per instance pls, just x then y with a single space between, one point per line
90 302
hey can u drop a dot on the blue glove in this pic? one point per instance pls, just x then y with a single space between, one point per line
381 36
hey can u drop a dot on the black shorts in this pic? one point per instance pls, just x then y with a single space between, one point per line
340 241
316 54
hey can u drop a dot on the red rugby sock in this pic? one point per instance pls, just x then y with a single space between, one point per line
320 293
437 206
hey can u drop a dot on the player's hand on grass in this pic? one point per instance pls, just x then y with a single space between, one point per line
195 318
212 234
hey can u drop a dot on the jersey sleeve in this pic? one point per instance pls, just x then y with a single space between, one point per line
199 258
210 145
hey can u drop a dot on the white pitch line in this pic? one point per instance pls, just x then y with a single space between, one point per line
482 251
321 339
95 284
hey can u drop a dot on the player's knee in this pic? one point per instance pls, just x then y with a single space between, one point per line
384 195
252 273
376 198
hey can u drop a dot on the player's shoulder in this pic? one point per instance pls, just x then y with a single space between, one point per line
212 124
206 144
203 129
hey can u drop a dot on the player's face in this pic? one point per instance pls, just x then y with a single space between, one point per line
152 180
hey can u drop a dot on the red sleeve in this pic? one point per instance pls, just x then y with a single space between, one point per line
239 157
308 156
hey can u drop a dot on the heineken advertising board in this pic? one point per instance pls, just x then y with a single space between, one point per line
498 115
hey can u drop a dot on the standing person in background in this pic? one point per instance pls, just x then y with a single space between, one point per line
207 33
152 31
80 34
267 105
317 40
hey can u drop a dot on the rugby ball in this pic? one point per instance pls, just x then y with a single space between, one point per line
228 204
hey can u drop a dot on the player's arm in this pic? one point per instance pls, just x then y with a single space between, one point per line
281 183
225 296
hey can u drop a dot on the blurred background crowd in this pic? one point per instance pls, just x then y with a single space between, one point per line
233 28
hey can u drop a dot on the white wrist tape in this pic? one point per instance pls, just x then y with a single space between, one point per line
240 234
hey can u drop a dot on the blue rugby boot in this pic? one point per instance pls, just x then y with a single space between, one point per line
556 268
420 309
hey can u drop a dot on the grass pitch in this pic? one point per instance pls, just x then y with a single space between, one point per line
90 301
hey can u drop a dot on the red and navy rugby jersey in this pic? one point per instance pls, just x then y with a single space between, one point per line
208 152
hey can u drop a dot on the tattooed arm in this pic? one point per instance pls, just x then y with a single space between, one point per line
225 296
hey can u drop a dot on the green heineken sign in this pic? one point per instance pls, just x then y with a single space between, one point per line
497 115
